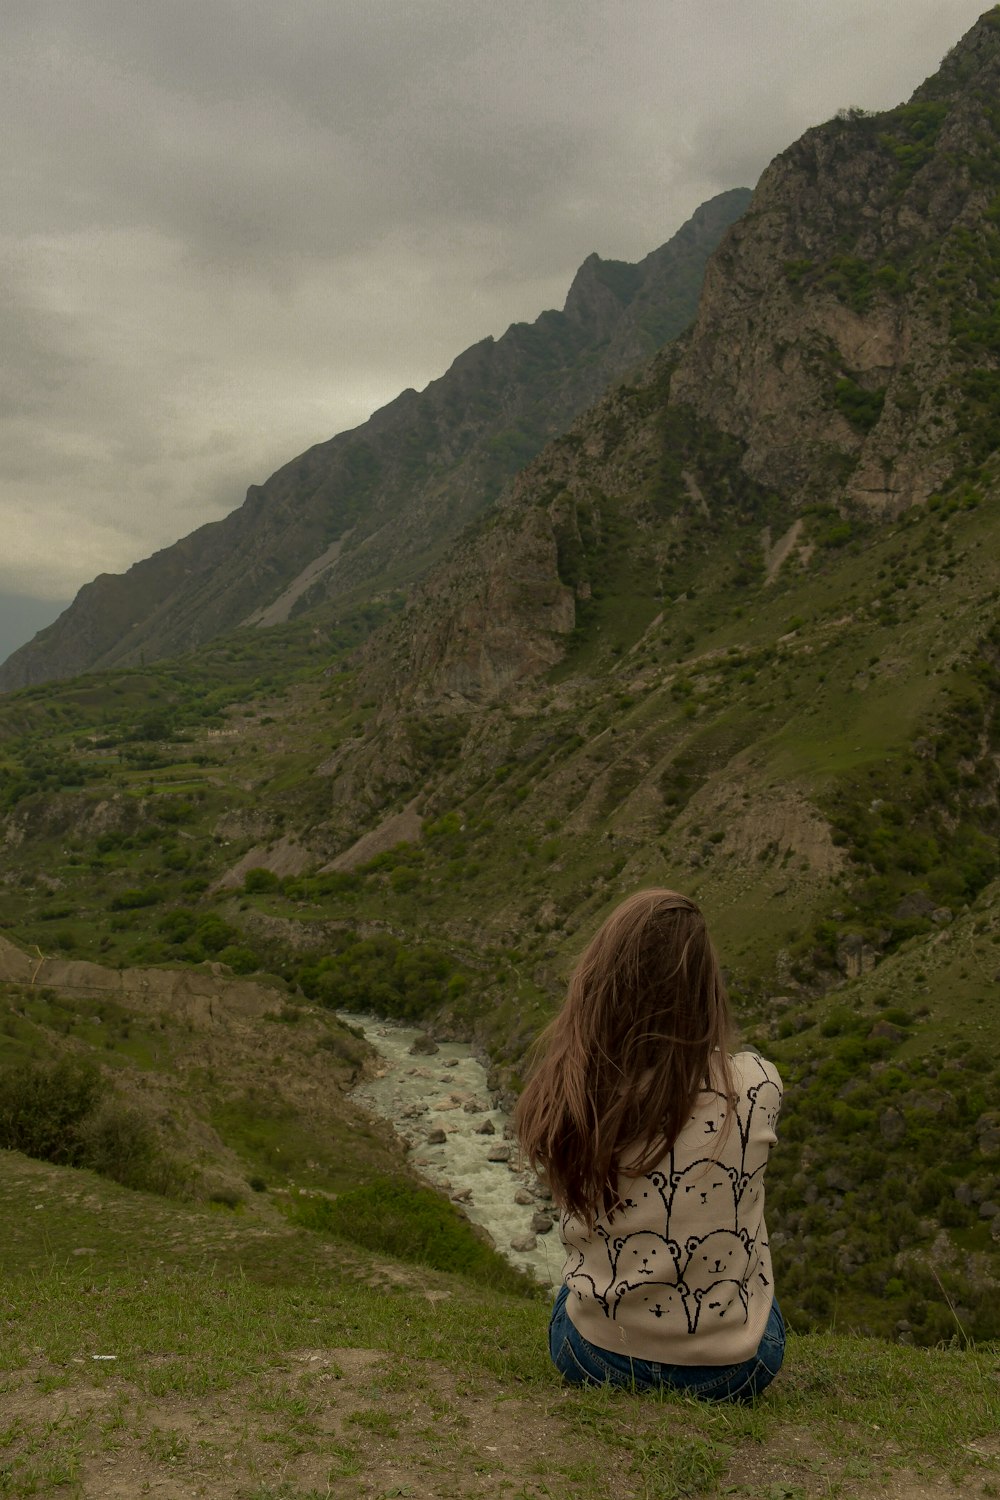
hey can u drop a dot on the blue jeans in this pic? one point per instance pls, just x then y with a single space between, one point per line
582 1363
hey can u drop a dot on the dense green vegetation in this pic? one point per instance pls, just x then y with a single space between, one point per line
878 1151
833 676
67 1112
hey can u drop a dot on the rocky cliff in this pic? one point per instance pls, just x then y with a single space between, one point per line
844 358
371 509
847 329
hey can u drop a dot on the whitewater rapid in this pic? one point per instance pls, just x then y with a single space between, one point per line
441 1107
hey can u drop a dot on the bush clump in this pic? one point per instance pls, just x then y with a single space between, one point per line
66 1113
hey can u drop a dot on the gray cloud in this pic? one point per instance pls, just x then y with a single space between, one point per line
234 228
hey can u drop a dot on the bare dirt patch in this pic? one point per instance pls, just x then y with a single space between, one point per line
402 827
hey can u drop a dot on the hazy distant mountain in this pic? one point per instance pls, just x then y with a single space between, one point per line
372 508
20 617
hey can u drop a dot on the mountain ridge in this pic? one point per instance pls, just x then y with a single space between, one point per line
862 377
395 490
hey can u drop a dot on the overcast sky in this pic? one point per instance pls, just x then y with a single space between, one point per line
233 228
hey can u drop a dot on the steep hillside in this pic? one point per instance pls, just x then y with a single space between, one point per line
809 756
370 509
846 355
848 334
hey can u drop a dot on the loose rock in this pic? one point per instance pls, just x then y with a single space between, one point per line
498 1153
436 1138
887 1030
541 1223
524 1243
486 1128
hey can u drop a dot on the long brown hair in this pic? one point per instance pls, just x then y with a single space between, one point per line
619 1068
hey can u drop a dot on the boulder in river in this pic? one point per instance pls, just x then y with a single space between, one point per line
524 1243
523 1197
423 1044
486 1128
541 1223
499 1153
436 1138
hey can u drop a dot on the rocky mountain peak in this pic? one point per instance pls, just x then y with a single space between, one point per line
841 320
978 46
600 289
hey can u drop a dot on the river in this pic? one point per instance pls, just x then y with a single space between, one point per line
440 1106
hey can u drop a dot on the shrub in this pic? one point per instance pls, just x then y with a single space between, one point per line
213 934
240 960
259 879
410 1223
42 1108
118 1141
862 408
130 900
65 1113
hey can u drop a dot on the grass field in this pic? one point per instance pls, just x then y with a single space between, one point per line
152 1348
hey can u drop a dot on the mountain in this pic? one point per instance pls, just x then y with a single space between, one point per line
369 510
21 616
694 643
845 355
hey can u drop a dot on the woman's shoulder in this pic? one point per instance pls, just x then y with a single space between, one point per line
750 1070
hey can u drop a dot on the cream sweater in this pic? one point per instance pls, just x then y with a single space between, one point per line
682 1274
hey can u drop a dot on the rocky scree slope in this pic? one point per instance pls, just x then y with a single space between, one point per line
371 508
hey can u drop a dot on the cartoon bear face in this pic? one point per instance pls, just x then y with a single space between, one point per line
719 1256
583 1287
660 1181
705 1188
749 1193
645 1257
760 1108
724 1302
653 1304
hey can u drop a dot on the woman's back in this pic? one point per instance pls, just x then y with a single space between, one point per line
654 1139
681 1273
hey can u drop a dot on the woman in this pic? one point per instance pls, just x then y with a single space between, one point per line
654 1138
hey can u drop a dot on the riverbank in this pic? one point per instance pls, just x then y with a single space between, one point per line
458 1139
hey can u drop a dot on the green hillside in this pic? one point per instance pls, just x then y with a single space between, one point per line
223 1337
762 741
